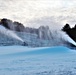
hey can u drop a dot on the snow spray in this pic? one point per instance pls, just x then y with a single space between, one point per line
9 33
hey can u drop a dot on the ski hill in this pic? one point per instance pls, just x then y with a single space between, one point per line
20 60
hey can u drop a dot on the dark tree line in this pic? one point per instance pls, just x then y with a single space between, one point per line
70 31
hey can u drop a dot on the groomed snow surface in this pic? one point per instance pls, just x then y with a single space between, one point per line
19 60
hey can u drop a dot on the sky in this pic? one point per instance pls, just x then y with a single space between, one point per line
32 12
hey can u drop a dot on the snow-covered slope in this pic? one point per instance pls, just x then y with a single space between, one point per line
19 60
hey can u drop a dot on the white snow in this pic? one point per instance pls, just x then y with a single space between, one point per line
19 60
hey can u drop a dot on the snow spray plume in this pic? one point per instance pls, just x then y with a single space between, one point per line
67 38
61 38
9 33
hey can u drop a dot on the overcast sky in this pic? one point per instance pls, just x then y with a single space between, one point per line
26 11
